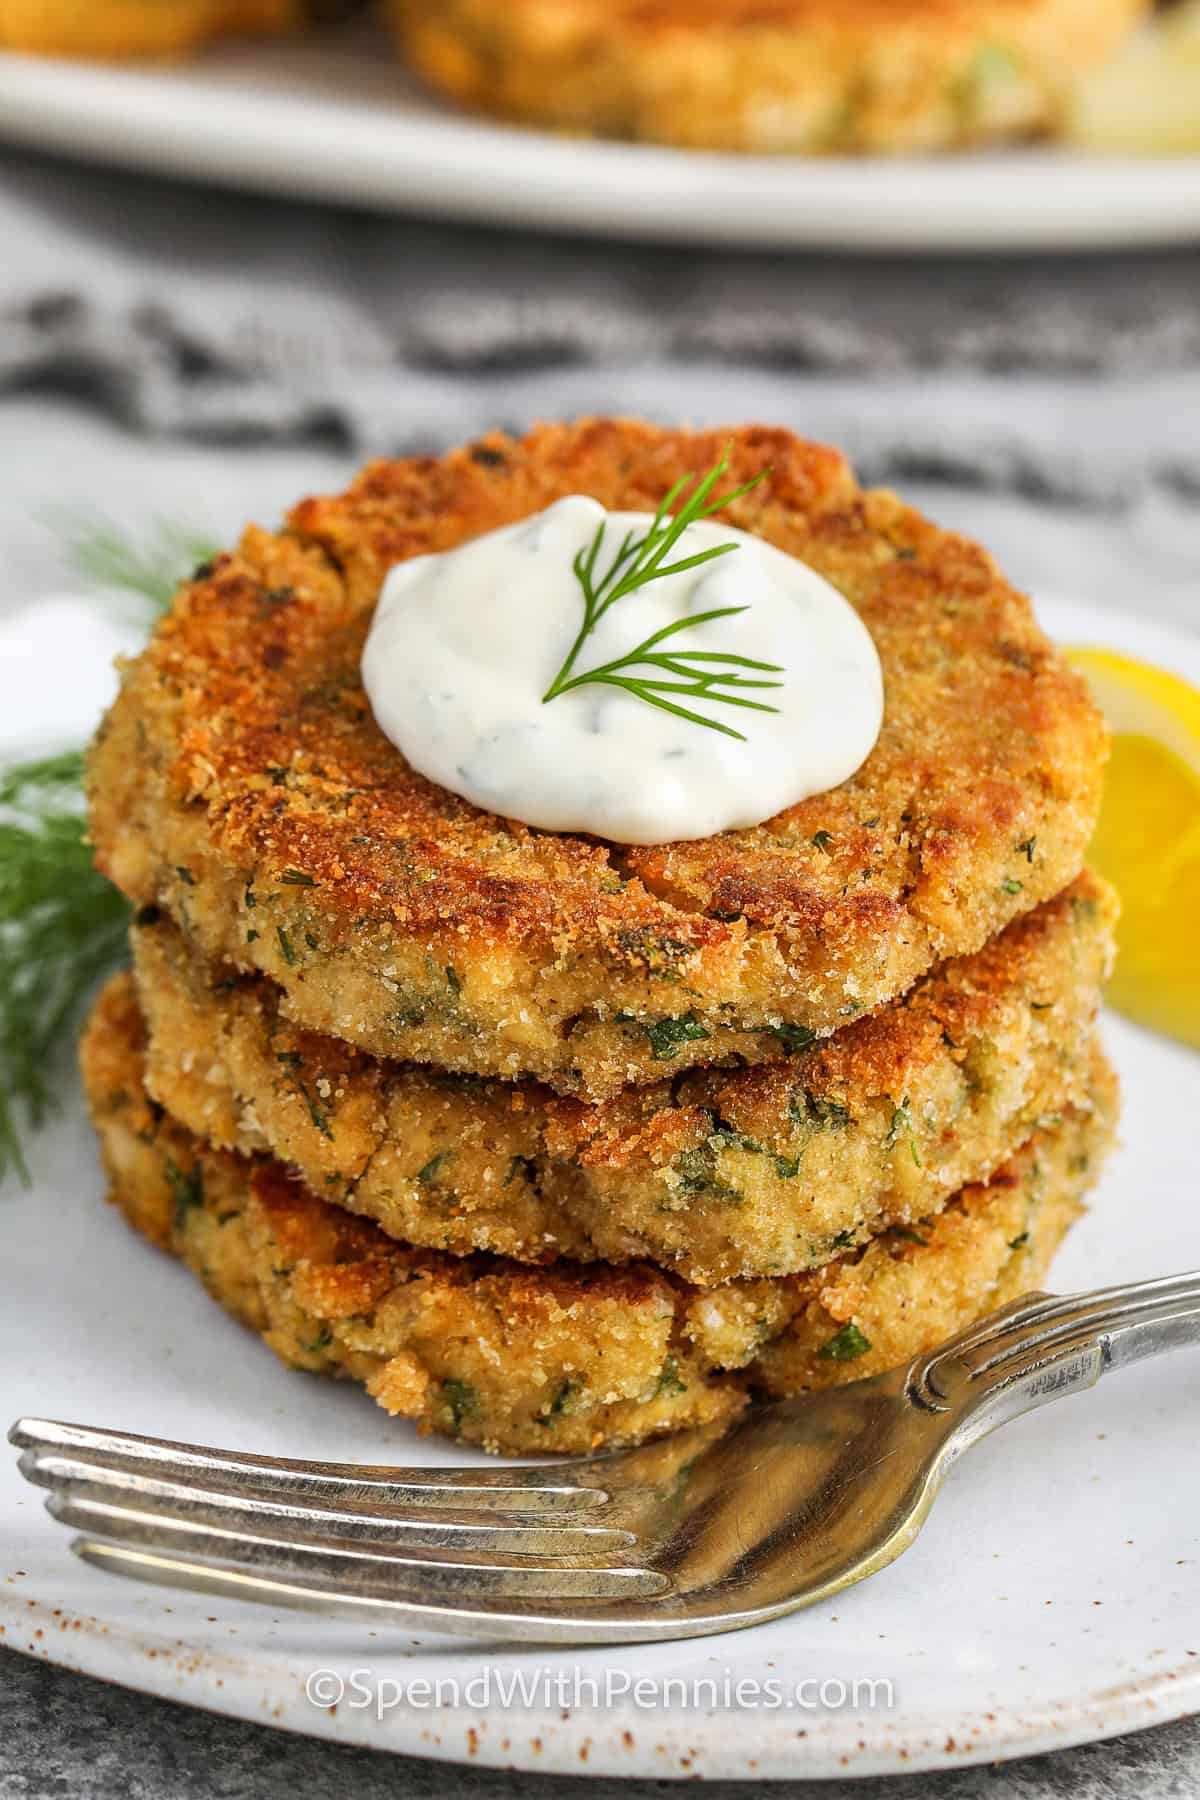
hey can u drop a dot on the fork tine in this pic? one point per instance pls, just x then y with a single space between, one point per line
539 1488
355 1571
632 1620
123 1490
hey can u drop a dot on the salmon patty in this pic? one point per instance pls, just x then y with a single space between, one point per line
118 28
575 1356
241 784
831 76
757 1172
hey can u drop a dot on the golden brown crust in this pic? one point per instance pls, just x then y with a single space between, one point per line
759 1172
767 75
241 783
571 1357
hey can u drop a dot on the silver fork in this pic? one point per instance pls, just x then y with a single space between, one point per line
704 1532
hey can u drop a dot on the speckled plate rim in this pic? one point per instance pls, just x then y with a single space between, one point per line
252 1664
560 1741
337 120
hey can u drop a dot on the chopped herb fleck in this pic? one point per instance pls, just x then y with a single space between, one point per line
322 1340
435 1165
1027 846
697 1171
250 897
315 1114
296 878
670 1381
902 1126
787 1167
995 62
793 1037
724 1136
185 875
285 944
252 937
292 1058
187 1190
1011 885
313 942
807 1108
666 1035
845 1345
1019 1242
564 1400
821 840
452 977
459 1397
909 1234
661 955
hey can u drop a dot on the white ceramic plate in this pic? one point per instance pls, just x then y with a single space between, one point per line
338 120
1051 1599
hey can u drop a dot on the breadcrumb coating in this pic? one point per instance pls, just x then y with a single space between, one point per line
575 1356
241 784
718 1174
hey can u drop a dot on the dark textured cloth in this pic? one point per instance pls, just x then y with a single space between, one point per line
236 320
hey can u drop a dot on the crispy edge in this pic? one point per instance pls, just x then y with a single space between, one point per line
570 1359
826 912
758 1173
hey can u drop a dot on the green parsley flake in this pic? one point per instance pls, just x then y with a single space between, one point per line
845 1345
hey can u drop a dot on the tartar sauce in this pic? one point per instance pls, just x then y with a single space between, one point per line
464 645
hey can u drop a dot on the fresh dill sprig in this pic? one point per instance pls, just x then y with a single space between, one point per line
62 926
147 569
639 561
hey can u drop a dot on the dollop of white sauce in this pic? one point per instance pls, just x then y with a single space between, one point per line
464 645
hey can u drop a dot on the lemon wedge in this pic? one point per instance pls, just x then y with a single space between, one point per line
1148 839
1146 101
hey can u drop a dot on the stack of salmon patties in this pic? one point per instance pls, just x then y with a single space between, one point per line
552 1143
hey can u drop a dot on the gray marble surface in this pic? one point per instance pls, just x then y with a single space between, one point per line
64 1735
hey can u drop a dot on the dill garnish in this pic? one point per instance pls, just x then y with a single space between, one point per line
62 927
638 562
149 569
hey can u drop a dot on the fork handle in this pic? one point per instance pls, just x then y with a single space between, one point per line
1043 1346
